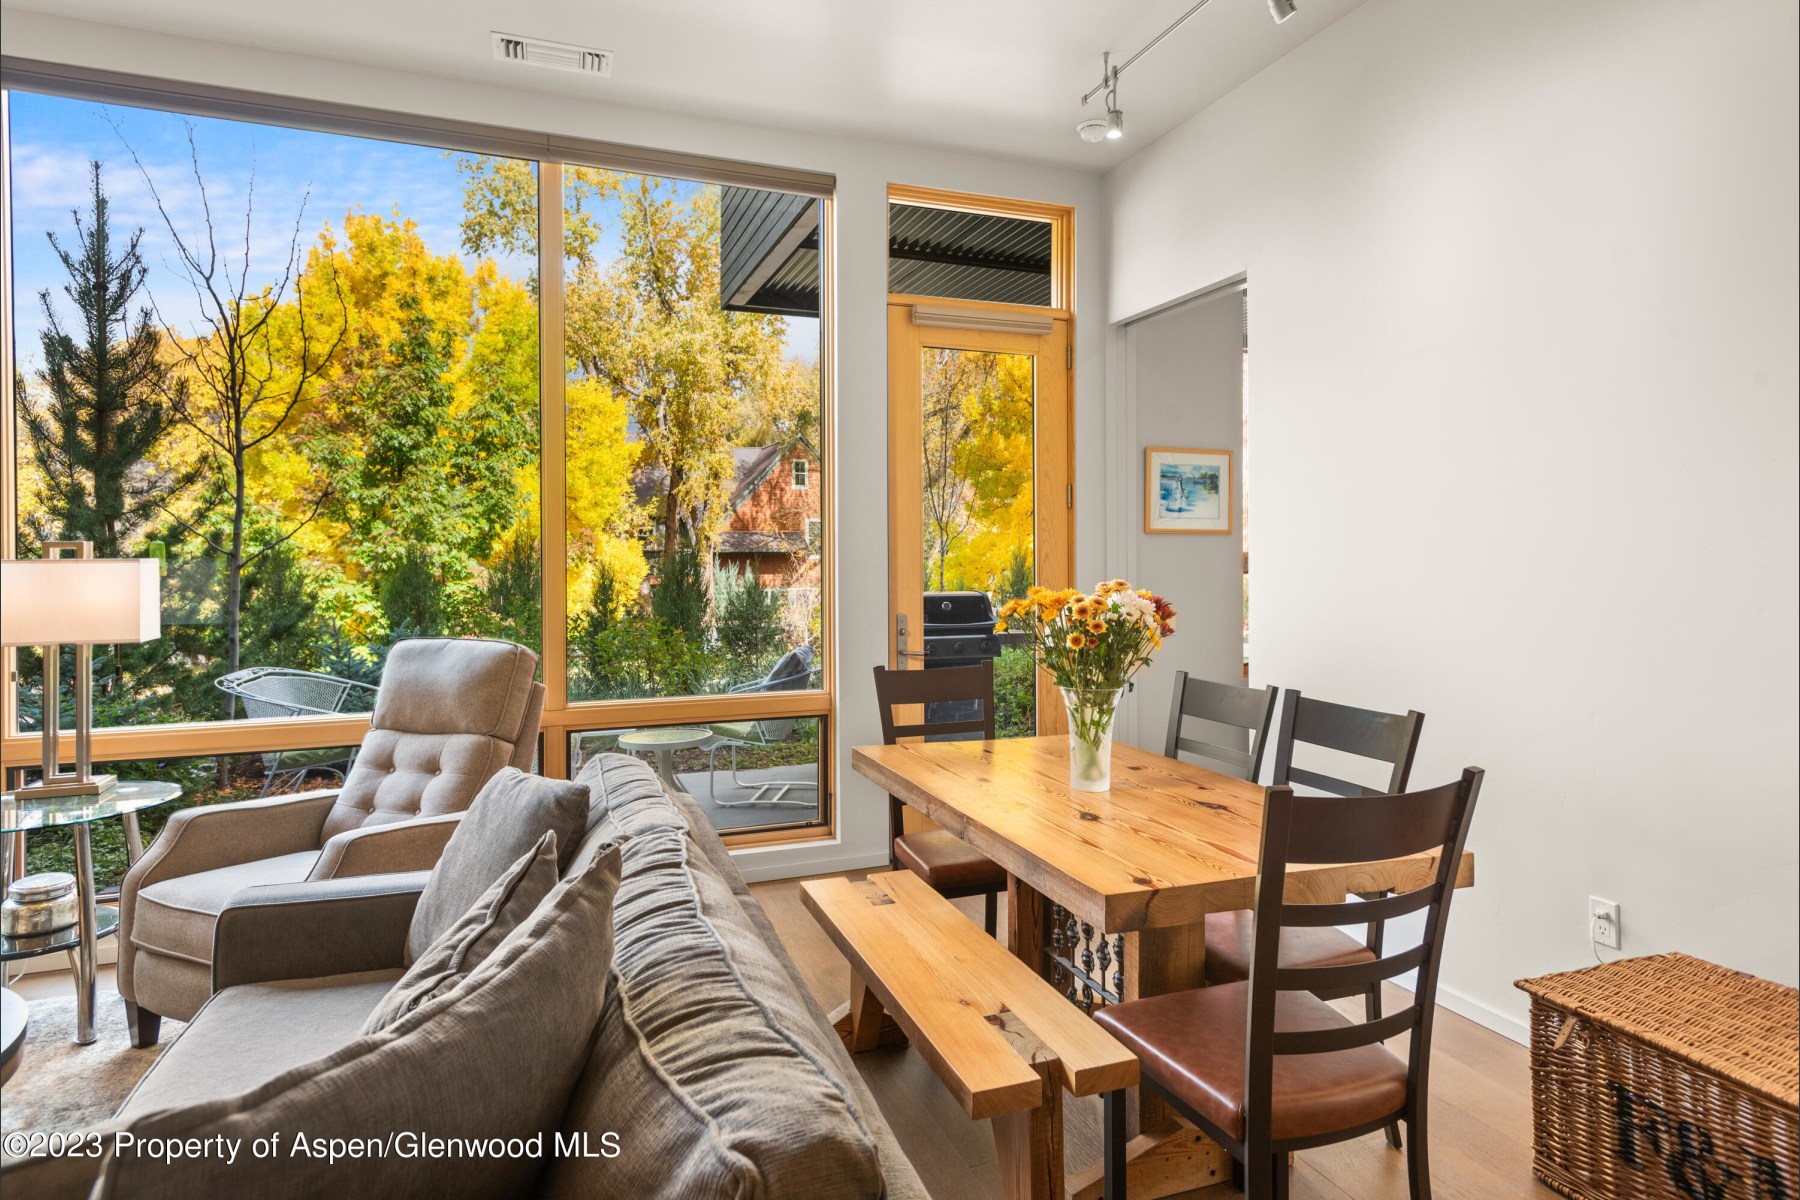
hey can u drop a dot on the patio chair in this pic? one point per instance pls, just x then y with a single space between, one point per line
791 673
286 692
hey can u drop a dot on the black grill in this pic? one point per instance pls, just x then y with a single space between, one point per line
959 629
959 632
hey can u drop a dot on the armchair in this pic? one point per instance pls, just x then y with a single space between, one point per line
450 714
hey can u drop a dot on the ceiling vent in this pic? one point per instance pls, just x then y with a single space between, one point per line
537 52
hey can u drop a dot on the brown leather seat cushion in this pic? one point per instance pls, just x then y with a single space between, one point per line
945 861
1230 937
1192 1044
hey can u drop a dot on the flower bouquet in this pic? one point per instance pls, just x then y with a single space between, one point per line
1091 646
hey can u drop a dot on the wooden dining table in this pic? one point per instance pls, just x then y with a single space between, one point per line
1108 892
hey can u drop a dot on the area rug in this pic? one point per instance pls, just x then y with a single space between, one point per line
60 1086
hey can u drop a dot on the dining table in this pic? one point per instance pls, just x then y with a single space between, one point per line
1108 892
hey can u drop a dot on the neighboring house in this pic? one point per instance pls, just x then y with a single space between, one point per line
772 532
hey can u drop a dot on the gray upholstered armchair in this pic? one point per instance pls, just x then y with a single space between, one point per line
450 714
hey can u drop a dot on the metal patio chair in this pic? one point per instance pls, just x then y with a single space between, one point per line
287 692
791 673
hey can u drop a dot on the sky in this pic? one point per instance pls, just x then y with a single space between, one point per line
298 175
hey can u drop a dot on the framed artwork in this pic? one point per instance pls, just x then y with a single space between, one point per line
1187 491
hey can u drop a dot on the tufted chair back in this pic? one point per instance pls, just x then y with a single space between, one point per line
451 712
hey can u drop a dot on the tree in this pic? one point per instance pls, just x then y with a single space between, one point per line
239 380
649 326
102 411
749 624
949 377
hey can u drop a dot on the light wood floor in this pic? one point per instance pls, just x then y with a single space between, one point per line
1480 1119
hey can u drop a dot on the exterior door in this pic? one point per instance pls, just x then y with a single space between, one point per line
979 483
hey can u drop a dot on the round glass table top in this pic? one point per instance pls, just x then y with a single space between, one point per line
670 737
23 811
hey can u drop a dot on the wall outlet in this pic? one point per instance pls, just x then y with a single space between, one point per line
1603 922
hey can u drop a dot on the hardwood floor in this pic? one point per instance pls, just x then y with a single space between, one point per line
1480 1118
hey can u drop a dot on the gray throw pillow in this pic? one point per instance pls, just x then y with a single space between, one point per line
491 1061
509 815
466 945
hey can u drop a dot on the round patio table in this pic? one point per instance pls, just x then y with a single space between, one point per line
665 742
21 812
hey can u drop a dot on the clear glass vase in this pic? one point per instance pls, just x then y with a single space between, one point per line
1091 713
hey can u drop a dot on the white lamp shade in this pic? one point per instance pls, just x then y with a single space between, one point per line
79 601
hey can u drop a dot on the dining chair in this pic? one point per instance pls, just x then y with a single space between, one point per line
950 865
1384 738
1265 1067
1251 709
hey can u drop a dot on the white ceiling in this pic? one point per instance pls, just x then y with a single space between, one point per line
996 76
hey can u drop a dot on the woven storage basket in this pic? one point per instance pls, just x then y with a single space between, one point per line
1665 1077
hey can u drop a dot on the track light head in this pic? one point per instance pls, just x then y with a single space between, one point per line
1115 125
1281 10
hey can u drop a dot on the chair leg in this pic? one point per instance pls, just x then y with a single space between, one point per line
144 1025
1418 1164
991 919
1279 1176
1114 1181
1259 1177
1372 1007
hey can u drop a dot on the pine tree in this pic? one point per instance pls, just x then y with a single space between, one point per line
100 414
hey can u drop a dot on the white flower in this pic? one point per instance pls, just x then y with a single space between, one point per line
1135 608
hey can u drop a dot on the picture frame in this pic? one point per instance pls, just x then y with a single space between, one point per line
1188 491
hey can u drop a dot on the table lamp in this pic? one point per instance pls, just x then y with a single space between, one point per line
82 601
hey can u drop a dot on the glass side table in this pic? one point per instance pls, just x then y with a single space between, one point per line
19 815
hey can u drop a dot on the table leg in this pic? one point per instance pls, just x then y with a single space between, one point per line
84 954
1029 1145
1167 1156
1025 923
134 840
665 766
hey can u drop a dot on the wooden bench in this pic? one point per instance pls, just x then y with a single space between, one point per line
1004 1042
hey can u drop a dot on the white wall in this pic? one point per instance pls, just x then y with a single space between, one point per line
863 170
1183 384
1522 311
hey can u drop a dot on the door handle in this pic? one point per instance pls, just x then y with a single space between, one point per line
900 650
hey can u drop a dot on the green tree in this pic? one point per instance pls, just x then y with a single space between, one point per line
749 624
513 590
101 412
679 601
413 599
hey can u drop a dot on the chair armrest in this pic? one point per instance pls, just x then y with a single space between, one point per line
309 930
383 849
224 835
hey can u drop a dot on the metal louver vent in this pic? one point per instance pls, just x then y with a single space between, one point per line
560 56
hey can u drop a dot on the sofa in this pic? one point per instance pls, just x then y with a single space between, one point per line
696 1064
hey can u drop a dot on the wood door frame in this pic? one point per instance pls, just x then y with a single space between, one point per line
1053 543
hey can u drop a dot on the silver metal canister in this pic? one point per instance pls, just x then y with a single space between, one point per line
39 904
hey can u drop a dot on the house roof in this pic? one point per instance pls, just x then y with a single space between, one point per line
752 465
769 254
762 541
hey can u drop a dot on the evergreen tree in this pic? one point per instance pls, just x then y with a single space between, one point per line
679 600
514 594
100 415
750 624
413 599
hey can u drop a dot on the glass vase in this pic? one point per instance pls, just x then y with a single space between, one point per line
1091 713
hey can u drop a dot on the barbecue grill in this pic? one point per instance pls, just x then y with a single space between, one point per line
959 629
959 632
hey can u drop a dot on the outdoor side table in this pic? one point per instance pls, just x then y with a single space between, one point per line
665 742
27 814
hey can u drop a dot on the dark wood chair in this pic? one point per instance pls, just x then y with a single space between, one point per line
1264 1066
1223 704
1385 738
950 865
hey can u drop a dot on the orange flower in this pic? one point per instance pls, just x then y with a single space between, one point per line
1096 626
1078 640
1082 610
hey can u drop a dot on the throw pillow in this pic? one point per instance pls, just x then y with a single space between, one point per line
511 812
492 1062
466 945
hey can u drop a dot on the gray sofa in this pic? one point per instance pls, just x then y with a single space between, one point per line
706 1067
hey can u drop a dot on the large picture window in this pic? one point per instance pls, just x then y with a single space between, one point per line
338 387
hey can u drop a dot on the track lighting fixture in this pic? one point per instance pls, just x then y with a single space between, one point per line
1112 128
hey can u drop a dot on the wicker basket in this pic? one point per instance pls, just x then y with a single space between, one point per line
1665 1077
